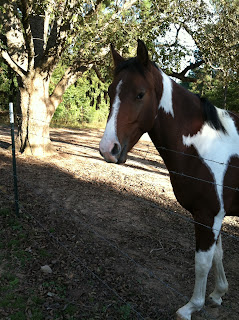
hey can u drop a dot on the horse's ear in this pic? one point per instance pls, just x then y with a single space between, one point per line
116 56
142 53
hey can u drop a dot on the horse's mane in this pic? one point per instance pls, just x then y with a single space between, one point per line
211 116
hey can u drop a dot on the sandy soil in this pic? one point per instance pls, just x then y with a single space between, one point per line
121 223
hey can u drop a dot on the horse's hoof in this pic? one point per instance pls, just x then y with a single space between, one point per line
178 317
181 317
214 302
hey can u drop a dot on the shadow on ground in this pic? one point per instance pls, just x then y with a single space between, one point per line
105 246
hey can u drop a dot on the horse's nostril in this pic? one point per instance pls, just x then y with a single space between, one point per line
116 149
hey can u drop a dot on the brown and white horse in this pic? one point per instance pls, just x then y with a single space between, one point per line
199 144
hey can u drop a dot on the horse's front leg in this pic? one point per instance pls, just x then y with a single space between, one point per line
203 263
221 284
205 248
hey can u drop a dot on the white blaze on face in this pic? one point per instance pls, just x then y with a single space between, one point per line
110 138
166 102
216 148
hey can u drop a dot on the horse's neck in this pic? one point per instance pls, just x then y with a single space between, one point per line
181 116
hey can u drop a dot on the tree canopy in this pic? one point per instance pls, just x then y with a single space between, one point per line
50 44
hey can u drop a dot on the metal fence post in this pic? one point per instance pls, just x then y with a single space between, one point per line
14 158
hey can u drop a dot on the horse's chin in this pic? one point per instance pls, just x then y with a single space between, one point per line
123 155
121 160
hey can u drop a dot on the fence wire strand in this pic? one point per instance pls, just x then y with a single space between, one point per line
168 211
186 176
156 146
171 171
55 239
76 258
90 227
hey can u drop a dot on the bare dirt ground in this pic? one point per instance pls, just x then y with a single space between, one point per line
118 244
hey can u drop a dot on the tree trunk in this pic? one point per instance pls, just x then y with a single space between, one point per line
35 117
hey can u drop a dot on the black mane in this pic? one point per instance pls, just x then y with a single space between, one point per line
211 116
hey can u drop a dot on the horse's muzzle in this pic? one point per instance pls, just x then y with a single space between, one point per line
113 152
110 151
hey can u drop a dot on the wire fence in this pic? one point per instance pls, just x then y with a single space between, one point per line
148 146
168 150
147 270
182 175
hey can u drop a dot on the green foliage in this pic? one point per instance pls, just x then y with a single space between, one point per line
23 293
5 84
8 88
217 38
88 27
216 94
125 312
83 103
223 94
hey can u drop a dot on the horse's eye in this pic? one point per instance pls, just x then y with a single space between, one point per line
140 95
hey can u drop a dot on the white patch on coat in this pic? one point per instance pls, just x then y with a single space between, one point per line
110 135
166 102
216 148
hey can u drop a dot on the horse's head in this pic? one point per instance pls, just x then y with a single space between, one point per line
133 104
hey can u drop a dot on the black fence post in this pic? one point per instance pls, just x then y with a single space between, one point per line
14 166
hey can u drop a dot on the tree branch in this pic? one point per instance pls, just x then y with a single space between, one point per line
127 5
13 38
70 77
48 13
26 9
94 8
181 75
13 64
62 26
98 73
65 26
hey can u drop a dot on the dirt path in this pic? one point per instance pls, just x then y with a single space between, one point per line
120 222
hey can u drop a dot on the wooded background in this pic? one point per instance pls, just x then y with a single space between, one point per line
55 62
